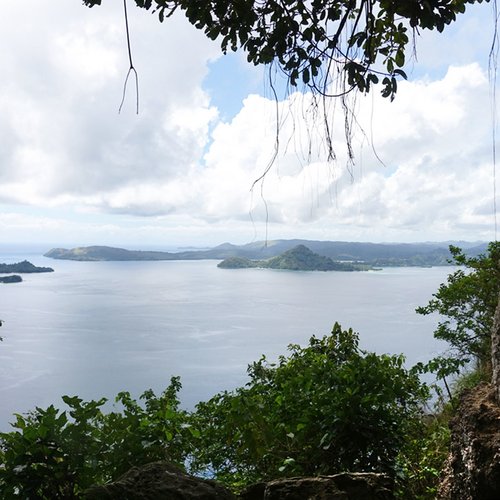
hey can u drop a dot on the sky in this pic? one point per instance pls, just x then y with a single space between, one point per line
74 171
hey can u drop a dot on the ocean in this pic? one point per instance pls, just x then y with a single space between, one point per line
94 329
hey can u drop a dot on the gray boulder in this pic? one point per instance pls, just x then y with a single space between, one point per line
346 486
472 470
159 481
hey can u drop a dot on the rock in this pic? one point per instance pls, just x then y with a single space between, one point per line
159 481
495 352
345 486
472 471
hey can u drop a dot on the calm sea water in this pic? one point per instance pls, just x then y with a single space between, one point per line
97 328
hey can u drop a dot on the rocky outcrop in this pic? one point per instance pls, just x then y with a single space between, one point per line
495 352
472 471
163 481
347 486
158 481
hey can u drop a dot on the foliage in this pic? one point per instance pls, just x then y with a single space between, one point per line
424 453
466 303
159 430
365 41
422 458
50 456
326 408
53 455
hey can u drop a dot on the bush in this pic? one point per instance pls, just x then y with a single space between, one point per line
466 304
326 408
422 457
53 455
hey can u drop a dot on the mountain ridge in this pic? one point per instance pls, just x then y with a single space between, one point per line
375 254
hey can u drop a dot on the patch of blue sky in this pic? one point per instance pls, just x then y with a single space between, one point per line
229 81
466 40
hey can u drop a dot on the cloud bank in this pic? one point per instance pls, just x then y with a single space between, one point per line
423 164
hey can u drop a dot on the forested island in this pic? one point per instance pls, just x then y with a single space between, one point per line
299 258
23 267
14 278
371 254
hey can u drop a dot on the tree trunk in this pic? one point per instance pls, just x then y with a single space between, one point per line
495 352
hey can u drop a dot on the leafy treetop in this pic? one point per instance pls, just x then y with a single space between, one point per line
331 46
466 304
324 408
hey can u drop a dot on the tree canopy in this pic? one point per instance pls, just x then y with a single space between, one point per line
466 304
332 47
324 408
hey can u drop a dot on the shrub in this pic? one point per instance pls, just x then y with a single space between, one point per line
56 455
326 408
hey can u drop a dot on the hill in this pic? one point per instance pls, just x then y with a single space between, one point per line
373 254
23 267
299 258
104 253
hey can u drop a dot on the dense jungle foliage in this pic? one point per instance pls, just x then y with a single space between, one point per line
324 408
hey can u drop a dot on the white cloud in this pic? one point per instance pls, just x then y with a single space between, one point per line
65 145
435 140
65 132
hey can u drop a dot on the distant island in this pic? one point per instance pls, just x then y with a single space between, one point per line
299 258
103 253
23 267
370 254
14 278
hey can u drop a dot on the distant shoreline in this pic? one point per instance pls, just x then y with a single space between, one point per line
369 254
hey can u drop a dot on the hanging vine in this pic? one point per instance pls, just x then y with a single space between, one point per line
131 68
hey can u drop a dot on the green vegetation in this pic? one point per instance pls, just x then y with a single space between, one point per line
239 263
466 303
325 408
299 258
55 454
